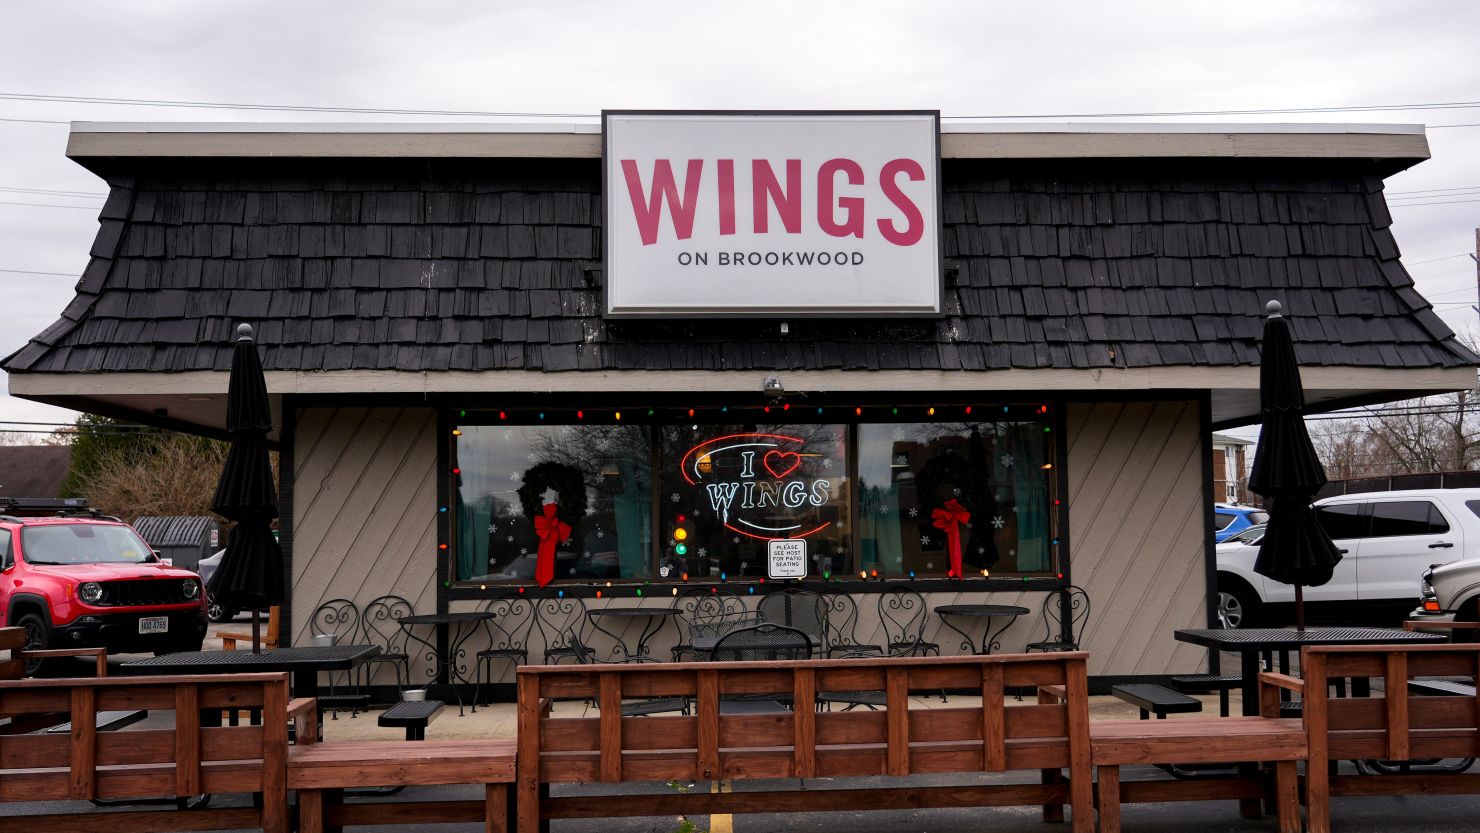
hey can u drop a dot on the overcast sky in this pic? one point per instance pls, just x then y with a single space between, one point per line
566 56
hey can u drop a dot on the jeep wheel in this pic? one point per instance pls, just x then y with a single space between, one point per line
1237 608
38 638
217 612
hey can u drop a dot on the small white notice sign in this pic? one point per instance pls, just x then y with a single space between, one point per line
786 558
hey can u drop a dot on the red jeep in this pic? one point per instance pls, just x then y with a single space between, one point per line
74 578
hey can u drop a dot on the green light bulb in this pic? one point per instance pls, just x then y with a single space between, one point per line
681 549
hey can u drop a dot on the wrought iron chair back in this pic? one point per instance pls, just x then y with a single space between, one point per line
339 618
508 637
902 615
715 628
803 610
513 621
558 620
704 607
842 627
380 626
1065 614
766 641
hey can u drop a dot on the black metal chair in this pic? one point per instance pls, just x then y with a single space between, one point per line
842 628
630 708
559 621
1065 613
872 699
508 636
705 612
380 626
340 619
902 615
758 643
803 610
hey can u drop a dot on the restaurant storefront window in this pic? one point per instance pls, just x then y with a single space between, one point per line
997 473
597 478
681 499
730 489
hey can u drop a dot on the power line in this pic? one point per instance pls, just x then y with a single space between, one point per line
34 121
219 105
1433 190
33 272
48 192
49 205
1416 204
1439 105
1437 259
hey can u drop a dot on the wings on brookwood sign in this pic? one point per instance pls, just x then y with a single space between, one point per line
772 214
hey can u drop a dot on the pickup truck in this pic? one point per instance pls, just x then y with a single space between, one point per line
1388 539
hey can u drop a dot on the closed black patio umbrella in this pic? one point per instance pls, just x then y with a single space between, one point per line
250 576
1295 549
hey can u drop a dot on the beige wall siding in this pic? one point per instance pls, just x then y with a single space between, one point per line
1136 526
365 509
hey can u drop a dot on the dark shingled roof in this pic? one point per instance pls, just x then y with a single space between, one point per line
488 264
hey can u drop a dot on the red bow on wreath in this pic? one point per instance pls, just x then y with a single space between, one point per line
950 517
552 531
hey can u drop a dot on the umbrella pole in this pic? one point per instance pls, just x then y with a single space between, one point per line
257 628
1299 608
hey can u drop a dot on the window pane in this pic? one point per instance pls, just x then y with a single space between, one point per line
1402 517
1258 517
598 477
1342 521
1222 520
993 470
736 487
1437 524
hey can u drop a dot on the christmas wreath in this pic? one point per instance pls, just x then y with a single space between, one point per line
569 486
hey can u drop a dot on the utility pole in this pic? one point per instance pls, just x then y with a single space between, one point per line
1476 257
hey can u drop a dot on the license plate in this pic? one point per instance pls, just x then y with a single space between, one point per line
154 624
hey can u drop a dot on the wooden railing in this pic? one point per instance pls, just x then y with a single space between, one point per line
797 741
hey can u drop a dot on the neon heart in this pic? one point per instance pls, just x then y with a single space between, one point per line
781 463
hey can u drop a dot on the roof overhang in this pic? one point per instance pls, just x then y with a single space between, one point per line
94 144
197 401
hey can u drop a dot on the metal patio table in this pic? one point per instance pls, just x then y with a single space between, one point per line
988 612
656 617
448 667
304 664
1251 642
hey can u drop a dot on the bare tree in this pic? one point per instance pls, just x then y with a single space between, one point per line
177 477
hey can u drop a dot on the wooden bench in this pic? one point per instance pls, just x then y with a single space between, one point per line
1193 741
803 743
180 762
321 772
411 715
1393 726
13 667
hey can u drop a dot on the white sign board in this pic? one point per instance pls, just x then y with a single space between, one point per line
786 558
772 214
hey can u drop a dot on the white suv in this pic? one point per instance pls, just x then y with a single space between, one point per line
1388 539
